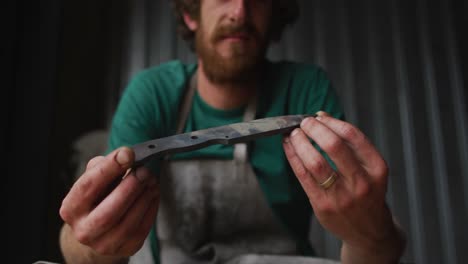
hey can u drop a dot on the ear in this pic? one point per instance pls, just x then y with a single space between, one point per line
191 23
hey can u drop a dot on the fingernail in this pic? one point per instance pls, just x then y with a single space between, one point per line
305 121
294 132
318 117
123 157
286 139
321 114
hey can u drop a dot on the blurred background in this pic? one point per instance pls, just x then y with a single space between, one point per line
400 68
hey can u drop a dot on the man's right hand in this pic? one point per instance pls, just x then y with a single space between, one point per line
109 219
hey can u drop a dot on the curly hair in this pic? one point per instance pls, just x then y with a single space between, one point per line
284 12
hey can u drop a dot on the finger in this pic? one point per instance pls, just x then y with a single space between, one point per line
89 188
94 161
117 204
127 229
313 161
148 221
306 180
69 209
72 210
322 113
364 150
336 148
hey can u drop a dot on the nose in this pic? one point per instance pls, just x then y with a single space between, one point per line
238 11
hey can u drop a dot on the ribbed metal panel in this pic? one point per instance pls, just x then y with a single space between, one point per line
398 69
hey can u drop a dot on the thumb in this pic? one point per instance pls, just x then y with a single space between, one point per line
124 156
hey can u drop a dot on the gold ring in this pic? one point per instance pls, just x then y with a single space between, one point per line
329 182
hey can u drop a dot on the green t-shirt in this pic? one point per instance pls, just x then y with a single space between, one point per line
149 107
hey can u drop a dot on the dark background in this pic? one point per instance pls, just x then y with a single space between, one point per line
399 67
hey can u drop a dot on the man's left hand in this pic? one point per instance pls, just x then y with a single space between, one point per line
348 201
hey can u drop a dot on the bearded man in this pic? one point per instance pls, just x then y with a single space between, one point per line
248 203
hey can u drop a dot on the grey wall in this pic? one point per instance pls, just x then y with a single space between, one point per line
400 70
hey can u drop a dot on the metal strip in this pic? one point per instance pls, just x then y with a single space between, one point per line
226 135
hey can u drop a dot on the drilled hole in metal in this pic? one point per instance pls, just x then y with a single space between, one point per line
194 137
151 146
227 136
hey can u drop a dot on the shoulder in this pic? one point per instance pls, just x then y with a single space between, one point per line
151 99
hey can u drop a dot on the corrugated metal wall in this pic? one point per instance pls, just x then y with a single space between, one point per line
400 71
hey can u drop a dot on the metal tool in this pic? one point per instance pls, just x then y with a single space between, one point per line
226 135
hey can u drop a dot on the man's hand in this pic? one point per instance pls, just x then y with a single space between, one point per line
106 214
353 207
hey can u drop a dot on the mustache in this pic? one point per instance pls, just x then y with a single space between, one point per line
223 31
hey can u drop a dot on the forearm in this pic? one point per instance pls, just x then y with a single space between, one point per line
75 252
388 251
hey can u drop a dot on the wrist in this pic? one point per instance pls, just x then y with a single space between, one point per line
387 250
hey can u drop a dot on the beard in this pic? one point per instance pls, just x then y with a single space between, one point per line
244 61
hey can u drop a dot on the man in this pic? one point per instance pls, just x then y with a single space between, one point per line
224 204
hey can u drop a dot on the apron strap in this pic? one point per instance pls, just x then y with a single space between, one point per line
186 105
